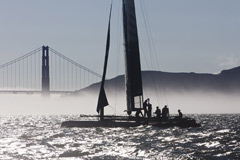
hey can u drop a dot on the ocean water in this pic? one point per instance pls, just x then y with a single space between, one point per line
41 137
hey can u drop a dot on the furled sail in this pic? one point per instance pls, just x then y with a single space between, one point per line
133 77
102 99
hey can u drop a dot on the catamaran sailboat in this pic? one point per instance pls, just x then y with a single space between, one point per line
133 82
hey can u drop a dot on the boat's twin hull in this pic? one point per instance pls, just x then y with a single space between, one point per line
133 122
105 123
183 123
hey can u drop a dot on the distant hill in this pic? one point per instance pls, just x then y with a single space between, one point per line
227 81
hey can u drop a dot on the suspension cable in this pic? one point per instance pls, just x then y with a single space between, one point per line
74 63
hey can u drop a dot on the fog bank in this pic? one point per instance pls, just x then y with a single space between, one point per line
188 102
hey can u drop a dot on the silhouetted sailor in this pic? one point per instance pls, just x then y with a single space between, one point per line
145 104
180 115
149 110
158 112
165 112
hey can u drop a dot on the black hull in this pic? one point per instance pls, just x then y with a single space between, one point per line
182 123
132 122
105 123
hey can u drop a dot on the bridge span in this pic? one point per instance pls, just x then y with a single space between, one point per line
45 71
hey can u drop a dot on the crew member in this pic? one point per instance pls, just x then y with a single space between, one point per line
165 112
149 110
180 115
158 112
145 104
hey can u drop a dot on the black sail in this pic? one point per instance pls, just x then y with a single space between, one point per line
102 99
133 77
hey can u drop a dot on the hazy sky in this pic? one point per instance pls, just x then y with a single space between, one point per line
188 36
184 35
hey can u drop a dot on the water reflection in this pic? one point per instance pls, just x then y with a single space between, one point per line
40 137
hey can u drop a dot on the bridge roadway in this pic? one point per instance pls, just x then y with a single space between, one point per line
33 92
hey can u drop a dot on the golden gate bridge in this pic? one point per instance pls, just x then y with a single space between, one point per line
45 71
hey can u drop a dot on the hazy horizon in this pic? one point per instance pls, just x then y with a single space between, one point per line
189 103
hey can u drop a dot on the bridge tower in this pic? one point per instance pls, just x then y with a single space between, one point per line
45 72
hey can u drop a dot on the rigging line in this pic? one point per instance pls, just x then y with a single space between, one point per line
142 51
144 55
35 72
147 32
84 79
150 34
27 72
151 43
155 53
39 78
19 73
7 77
55 73
56 70
37 64
15 75
77 78
92 79
31 72
1 78
23 73
80 79
4 78
72 77
60 75
10 76
88 80
113 109
150 37
150 48
63 74
67 75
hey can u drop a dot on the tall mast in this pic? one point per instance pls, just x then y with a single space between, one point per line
133 77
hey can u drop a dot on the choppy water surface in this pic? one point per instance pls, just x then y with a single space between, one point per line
41 137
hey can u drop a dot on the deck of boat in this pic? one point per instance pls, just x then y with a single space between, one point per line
105 123
124 121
